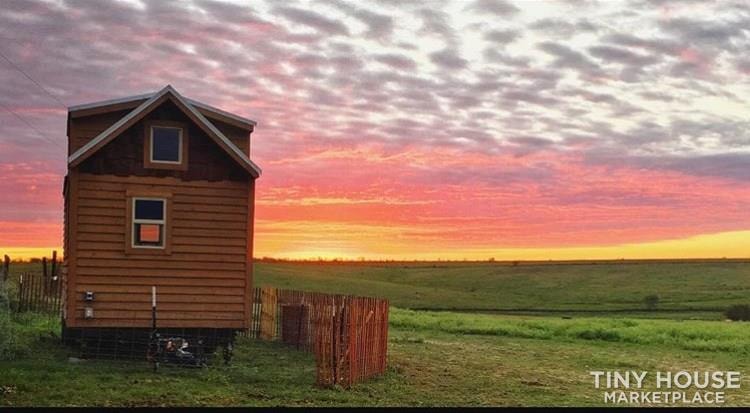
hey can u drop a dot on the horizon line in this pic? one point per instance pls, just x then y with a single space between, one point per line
581 261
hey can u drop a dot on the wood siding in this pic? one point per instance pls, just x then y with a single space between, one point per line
71 235
82 129
237 132
203 282
66 241
124 156
238 136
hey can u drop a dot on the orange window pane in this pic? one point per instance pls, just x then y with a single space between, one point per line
149 233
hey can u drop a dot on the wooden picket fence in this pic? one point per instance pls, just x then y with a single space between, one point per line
39 293
348 335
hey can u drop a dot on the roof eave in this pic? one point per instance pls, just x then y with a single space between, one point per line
109 102
249 123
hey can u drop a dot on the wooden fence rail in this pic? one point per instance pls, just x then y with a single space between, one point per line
347 334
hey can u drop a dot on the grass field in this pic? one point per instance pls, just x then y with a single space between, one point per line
701 290
442 358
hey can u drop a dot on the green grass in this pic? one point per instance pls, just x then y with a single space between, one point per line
701 290
685 335
435 359
22 332
529 356
685 290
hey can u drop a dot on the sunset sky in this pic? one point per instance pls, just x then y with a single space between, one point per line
425 129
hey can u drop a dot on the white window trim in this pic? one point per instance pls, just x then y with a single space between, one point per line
179 147
162 221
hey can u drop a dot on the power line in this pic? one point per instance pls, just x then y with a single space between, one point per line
47 92
28 76
27 123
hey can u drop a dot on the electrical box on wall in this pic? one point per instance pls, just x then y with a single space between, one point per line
88 312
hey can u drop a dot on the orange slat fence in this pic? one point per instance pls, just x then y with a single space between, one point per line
347 334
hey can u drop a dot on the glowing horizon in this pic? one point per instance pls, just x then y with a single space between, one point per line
729 245
466 129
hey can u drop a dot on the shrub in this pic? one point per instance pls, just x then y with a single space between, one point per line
651 301
738 312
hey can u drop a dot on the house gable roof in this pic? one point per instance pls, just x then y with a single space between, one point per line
151 103
130 102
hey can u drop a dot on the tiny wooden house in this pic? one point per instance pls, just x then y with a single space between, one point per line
159 192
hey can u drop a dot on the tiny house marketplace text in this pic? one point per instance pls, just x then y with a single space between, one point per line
682 387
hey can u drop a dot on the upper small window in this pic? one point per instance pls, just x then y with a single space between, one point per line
166 144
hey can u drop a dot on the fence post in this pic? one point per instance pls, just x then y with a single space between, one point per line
53 273
6 268
20 293
268 300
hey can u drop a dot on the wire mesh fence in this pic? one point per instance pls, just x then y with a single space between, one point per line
185 347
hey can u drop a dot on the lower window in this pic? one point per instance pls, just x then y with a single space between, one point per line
149 222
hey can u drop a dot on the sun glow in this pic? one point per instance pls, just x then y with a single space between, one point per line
26 253
370 246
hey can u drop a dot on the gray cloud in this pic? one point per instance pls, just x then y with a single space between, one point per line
724 165
660 44
501 36
436 23
495 7
396 61
569 58
529 96
707 32
531 141
379 25
312 20
622 55
448 59
562 27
